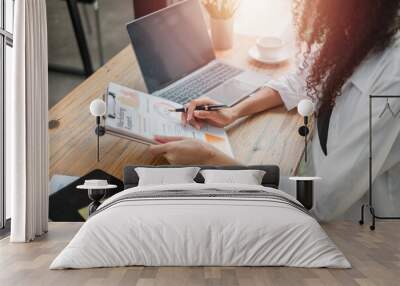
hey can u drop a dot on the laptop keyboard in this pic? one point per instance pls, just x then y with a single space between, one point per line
200 83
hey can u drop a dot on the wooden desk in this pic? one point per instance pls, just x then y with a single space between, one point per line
267 138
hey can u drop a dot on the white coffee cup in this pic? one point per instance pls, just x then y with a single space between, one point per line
270 47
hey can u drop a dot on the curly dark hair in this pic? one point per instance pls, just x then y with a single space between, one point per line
345 32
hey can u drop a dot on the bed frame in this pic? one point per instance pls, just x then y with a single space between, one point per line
270 179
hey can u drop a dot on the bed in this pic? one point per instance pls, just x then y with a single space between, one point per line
198 224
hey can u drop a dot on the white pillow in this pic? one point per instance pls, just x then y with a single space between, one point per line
248 177
166 176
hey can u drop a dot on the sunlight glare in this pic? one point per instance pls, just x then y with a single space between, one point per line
264 18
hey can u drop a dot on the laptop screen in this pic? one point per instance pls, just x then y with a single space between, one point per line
171 43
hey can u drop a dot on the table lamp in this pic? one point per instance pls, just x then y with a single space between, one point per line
98 109
304 185
65 205
305 108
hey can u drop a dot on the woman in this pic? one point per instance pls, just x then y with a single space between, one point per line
350 49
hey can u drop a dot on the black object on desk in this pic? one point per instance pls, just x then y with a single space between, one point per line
305 190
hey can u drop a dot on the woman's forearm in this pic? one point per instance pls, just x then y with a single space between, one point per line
264 99
221 159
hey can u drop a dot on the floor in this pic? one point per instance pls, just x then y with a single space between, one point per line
375 257
63 49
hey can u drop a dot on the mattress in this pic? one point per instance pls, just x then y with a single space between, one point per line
201 225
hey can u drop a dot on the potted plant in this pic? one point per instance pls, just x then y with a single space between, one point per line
221 21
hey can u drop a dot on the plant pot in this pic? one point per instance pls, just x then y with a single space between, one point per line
222 33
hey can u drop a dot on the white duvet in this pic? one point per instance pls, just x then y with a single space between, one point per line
200 231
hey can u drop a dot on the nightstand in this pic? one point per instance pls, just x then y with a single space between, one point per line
97 189
305 190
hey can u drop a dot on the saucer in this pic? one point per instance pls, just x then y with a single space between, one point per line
255 55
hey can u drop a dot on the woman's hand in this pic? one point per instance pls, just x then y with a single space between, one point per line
197 118
187 151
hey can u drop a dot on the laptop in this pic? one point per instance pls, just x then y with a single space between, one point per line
177 59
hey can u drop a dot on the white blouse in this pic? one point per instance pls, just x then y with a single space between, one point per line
344 171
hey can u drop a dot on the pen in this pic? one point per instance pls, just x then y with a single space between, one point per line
202 107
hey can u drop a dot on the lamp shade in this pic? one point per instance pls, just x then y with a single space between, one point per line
305 107
98 107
